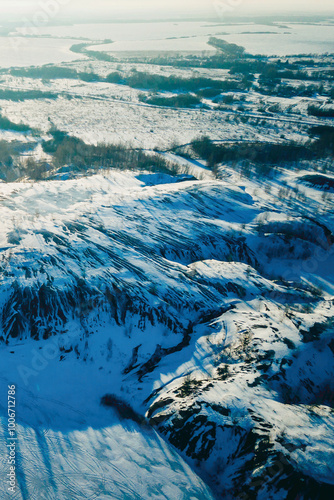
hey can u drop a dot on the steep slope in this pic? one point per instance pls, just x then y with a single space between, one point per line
205 305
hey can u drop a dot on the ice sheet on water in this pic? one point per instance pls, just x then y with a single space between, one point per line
34 51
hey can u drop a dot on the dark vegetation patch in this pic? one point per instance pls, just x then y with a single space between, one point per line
174 83
36 170
88 76
6 151
115 77
79 157
189 387
9 151
209 93
324 135
82 48
318 181
320 111
223 372
260 153
283 89
178 101
48 72
6 124
68 150
230 50
265 156
13 168
24 95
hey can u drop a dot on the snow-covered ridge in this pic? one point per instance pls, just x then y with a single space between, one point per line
192 302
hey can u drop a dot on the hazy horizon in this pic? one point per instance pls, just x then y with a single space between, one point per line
16 10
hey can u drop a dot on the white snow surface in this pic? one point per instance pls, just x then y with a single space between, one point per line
69 447
140 285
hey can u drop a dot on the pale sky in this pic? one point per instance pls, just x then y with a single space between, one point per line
162 8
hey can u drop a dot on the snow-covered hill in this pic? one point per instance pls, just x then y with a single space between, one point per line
206 305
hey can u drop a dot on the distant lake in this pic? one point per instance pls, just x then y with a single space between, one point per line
280 39
34 51
276 39
292 39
